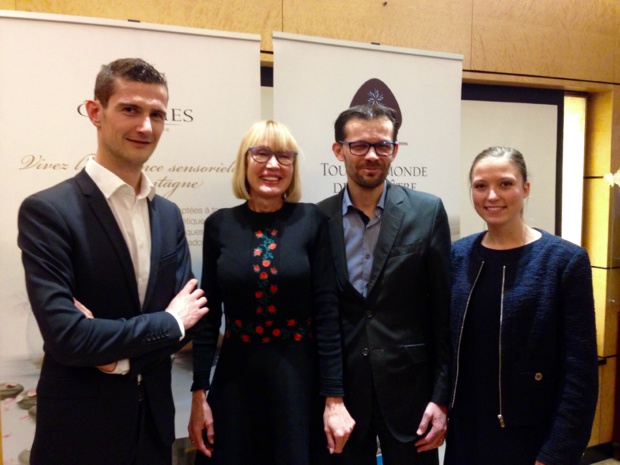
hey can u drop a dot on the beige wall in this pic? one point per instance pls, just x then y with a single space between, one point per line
569 44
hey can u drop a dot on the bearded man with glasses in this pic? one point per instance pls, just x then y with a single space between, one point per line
391 247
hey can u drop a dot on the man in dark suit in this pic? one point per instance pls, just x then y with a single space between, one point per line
391 248
109 280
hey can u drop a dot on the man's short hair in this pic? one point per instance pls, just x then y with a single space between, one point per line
366 112
130 69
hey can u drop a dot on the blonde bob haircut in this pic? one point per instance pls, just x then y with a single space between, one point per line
277 137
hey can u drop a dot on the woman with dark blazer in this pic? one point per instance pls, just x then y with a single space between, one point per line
525 376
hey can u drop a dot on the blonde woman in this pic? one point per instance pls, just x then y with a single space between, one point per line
276 395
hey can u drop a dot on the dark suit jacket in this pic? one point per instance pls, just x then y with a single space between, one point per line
396 339
72 247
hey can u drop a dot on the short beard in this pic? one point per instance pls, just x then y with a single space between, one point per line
369 184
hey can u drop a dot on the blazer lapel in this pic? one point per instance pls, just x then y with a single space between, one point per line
336 232
103 213
391 222
155 251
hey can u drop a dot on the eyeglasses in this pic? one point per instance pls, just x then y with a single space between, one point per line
262 154
359 148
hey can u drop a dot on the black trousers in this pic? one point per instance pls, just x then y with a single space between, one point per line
393 452
151 449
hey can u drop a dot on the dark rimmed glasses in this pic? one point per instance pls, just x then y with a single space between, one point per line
359 148
262 154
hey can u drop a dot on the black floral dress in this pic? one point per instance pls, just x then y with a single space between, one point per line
273 275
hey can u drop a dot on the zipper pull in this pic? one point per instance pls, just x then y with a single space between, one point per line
500 417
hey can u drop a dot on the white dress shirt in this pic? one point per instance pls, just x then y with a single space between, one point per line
131 212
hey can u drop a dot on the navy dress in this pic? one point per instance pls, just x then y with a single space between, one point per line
272 274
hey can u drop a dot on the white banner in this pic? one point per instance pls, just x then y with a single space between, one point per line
48 65
316 79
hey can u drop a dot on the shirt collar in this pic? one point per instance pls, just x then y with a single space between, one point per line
109 183
347 203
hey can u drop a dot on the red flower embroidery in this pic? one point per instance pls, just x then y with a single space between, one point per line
266 263
256 268
291 322
259 330
274 232
271 309
272 246
238 323
245 338
265 340
273 288
268 322
263 275
257 252
276 332
297 337
227 334
259 310
274 270
259 234
258 294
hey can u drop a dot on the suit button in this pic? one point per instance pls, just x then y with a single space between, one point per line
369 314
366 352
538 376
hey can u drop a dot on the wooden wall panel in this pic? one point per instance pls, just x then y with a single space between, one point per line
571 39
602 427
607 400
596 424
610 336
599 133
606 316
490 79
437 25
600 278
606 294
617 44
255 16
596 227
601 226
615 123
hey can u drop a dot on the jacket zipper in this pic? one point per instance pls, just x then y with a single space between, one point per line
458 347
500 416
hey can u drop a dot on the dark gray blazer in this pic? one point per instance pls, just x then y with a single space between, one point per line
396 339
72 247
